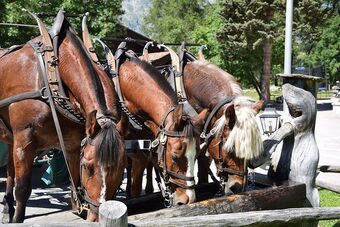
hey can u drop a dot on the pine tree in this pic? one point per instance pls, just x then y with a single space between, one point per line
249 30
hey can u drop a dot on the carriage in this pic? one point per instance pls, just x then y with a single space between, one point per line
127 101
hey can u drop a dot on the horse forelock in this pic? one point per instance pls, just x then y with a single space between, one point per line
245 137
109 145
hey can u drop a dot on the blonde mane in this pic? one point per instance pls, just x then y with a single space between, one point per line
245 138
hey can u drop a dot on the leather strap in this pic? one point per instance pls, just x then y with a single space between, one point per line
22 96
212 114
54 114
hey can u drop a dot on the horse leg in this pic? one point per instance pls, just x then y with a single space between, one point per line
23 156
74 164
8 200
149 180
139 163
129 177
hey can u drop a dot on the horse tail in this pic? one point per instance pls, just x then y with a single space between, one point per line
245 138
109 145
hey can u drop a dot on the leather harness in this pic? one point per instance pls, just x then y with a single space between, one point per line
53 93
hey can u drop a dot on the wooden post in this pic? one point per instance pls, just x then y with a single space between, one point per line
113 213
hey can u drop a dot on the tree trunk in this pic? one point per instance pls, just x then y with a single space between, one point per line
267 65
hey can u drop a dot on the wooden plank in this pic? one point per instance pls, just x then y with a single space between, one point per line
60 224
272 198
293 216
326 180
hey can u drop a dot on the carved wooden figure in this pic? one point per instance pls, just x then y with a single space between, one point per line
299 157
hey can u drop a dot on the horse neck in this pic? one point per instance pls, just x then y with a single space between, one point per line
143 94
78 73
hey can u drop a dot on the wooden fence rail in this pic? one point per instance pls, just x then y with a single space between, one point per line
283 217
293 216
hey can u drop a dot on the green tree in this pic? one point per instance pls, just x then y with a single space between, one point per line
205 33
247 36
317 25
103 17
173 21
327 50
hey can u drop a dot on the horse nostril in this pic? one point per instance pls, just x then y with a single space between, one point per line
181 199
174 157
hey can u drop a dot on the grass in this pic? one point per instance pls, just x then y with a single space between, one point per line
329 199
278 92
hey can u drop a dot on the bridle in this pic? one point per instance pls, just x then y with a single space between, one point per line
86 202
159 146
222 171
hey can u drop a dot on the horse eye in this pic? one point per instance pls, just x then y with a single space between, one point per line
88 169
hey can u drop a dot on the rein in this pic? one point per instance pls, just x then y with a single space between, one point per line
39 52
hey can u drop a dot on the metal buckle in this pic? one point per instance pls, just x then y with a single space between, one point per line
155 143
144 144
83 207
213 131
163 139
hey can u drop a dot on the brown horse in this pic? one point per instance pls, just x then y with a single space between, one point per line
27 124
149 98
231 133
237 137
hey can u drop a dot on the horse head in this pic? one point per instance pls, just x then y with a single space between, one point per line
240 139
181 143
234 136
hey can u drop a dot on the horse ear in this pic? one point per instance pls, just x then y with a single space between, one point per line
199 120
177 116
123 125
230 111
257 106
91 123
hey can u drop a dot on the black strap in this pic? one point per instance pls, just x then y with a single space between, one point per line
41 62
22 96
212 114
179 176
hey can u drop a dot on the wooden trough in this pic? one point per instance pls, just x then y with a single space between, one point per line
266 206
266 197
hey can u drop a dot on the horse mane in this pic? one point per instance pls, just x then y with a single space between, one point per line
158 78
244 137
189 130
